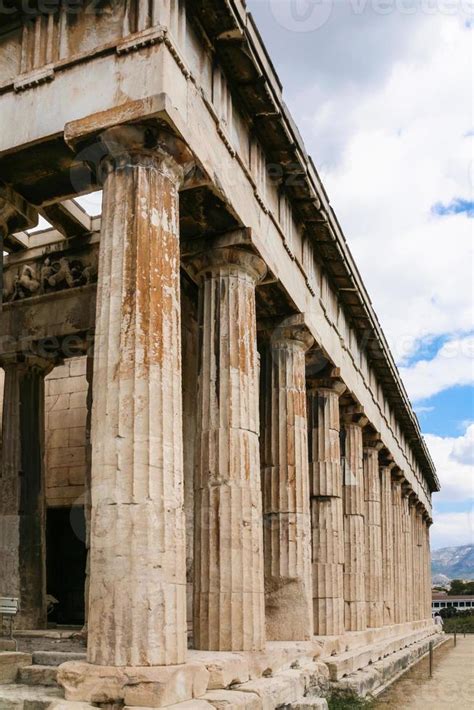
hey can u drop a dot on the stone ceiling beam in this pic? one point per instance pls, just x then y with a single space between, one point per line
68 218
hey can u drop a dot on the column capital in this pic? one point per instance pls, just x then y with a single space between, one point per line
328 379
289 330
29 362
353 415
16 214
133 144
372 440
226 260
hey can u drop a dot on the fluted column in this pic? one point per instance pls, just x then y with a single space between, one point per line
137 596
355 608
388 582
22 491
285 483
427 568
418 563
373 534
229 610
407 555
398 545
326 505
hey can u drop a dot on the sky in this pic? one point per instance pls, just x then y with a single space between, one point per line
382 92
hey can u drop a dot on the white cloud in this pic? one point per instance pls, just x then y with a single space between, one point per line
451 456
387 124
463 449
452 365
452 529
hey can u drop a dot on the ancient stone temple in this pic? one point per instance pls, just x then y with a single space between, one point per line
208 457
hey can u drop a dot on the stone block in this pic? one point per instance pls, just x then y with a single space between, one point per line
154 686
10 664
77 435
273 692
56 658
187 705
70 456
233 699
78 366
70 705
38 675
166 685
58 373
56 438
8 644
66 420
225 669
56 402
78 400
307 703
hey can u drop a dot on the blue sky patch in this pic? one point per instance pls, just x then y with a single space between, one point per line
456 206
446 413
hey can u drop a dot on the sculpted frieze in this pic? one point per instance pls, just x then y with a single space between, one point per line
52 273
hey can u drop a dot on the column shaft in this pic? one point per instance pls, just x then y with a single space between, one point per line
137 597
408 558
427 572
398 544
326 510
373 538
285 484
229 612
387 547
355 608
22 499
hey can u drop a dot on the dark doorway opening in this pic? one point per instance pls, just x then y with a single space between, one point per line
66 563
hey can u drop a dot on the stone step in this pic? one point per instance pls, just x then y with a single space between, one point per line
27 697
357 659
38 675
55 658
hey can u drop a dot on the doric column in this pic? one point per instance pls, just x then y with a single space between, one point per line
22 491
388 582
355 608
418 563
427 566
373 532
229 609
326 505
398 557
137 596
285 483
407 554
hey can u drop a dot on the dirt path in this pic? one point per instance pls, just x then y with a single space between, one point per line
451 687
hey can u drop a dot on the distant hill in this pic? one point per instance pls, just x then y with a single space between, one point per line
454 562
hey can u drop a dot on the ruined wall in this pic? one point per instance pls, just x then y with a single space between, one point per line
65 445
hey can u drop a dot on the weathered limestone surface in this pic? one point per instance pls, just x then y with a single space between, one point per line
407 548
398 557
388 582
285 484
373 537
22 499
137 598
229 609
326 507
355 608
